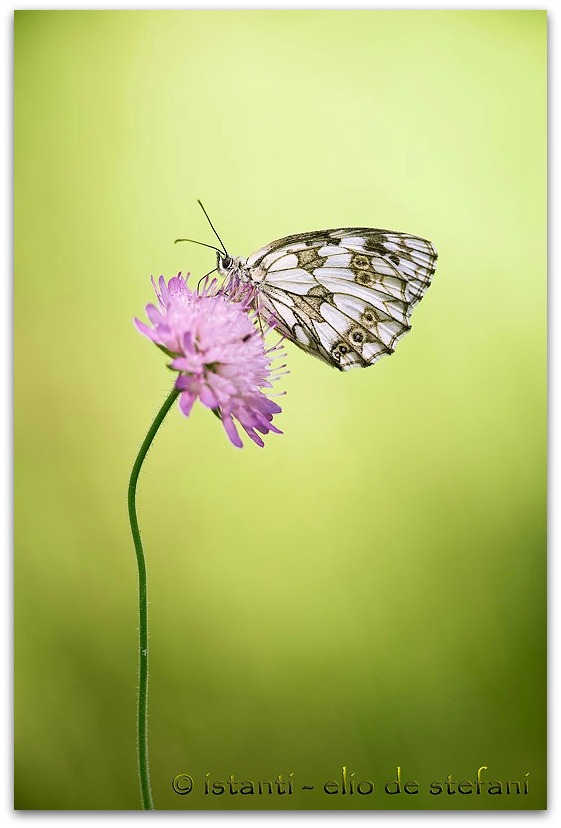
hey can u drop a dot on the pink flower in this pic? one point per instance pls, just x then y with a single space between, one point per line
218 352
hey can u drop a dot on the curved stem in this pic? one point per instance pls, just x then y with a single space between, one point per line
143 765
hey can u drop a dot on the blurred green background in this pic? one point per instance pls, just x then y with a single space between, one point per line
369 589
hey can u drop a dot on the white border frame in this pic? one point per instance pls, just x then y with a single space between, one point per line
294 818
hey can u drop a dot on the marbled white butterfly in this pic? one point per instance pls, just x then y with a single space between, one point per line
343 295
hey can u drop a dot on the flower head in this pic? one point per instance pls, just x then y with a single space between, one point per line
218 352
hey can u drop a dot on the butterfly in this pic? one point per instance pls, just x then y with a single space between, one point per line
343 295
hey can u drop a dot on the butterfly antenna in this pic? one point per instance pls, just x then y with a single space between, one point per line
193 241
212 225
201 280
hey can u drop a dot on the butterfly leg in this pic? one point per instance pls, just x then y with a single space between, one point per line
258 312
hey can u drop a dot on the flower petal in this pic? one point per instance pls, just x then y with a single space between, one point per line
144 329
207 397
255 437
186 400
231 431
154 315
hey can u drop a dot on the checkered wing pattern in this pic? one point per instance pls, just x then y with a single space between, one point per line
344 295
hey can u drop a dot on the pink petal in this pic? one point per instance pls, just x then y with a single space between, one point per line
207 397
255 437
231 431
164 293
188 342
186 400
265 404
154 315
144 329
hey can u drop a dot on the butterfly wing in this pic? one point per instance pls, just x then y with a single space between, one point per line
343 295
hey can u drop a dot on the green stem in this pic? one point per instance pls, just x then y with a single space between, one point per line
143 765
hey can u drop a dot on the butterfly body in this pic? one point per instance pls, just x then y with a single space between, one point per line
343 295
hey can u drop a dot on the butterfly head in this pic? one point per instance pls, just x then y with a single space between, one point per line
224 263
230 267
